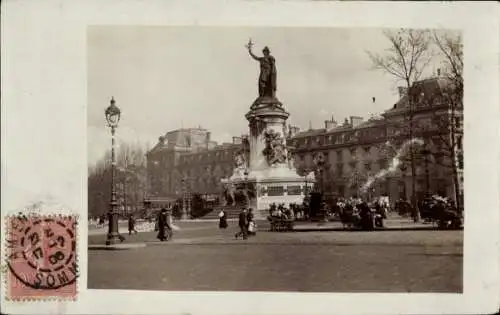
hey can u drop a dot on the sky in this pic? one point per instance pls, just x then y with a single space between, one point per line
165 77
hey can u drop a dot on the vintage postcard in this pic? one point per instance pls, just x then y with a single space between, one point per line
171 157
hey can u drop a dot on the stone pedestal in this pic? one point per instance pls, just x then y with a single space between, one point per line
269 171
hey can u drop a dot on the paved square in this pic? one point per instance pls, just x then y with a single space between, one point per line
202 257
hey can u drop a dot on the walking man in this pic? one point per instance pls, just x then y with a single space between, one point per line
243 224
131 225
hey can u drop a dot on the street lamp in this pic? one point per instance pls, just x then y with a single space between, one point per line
112 114
186 196
426 153
306 172
403 169
247 197
322 178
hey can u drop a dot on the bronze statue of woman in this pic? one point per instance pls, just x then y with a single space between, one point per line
267 78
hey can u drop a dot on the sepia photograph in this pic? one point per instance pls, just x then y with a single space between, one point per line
249 157
314 159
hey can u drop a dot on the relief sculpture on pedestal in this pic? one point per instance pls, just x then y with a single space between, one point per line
275 151
241 164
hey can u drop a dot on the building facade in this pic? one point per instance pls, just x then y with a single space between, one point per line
355 156
187 161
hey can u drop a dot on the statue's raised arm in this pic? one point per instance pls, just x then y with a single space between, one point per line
253 55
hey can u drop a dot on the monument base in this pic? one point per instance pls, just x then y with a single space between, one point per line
267 175
274 185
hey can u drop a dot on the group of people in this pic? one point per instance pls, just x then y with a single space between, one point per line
427 208
281 212
246 223
357 212
163 225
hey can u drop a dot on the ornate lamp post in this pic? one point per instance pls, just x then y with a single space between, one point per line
186 198
112 114
306 188
403 169
247 197
426 153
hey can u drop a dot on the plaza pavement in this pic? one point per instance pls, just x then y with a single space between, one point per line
391 223
202 257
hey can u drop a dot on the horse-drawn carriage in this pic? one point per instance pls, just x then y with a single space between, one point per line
441 212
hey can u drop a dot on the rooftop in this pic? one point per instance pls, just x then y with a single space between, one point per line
426 91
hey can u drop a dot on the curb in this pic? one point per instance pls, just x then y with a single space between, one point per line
117 246
386 229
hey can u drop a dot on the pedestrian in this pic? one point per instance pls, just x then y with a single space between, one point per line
169 224
131 225
251 226
101 220
243 224
222 219
162 223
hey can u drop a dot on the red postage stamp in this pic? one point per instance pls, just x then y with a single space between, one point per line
41 257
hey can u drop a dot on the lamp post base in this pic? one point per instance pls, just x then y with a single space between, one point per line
114 238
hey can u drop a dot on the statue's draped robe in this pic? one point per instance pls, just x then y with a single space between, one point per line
267 79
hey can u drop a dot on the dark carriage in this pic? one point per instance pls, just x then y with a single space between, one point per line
441 213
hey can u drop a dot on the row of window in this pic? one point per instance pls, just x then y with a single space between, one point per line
207 156
383 164
371 134
347 137
339 154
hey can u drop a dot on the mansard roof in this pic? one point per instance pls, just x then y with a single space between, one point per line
372 122
424 91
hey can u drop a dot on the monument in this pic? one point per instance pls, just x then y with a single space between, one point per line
264 167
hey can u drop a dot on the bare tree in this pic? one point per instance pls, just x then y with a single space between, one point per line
406 60
450 47
131 179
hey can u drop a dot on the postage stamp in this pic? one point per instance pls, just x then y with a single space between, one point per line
41 257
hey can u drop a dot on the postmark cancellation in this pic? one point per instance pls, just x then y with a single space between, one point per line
41 257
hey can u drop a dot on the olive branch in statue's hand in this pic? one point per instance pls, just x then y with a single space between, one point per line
249 45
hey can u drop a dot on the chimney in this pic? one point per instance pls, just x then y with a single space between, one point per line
293 130
402 91
330 124
207 139
355 121
236 140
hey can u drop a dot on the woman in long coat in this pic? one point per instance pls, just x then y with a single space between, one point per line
162 223
222 219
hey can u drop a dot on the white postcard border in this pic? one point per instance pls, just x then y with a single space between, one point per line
44 138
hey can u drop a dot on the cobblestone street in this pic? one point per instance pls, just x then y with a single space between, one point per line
201 257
